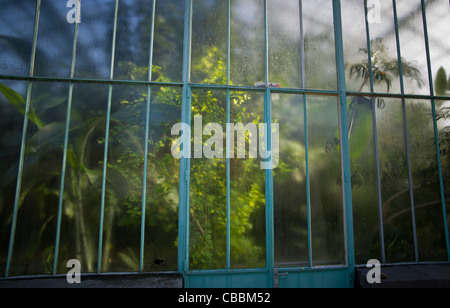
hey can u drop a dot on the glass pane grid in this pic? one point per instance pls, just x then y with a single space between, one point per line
235 58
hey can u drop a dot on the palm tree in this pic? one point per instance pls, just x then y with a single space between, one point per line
384 70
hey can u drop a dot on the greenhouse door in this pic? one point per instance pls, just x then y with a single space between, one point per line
281 227
260 209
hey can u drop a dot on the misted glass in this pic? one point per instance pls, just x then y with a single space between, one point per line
427 194
209 42
84 174
16 32
324 152
366 220
412 44
290 182
247 184
11 127
395 187
208 193
41 177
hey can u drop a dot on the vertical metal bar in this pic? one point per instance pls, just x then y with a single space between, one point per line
405 124
375 135
305 115
183 227
147 135
66 142
345 152
229 151
369 45
22 146
105 157
436 130
268 148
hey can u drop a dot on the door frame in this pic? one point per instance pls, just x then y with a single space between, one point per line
322 276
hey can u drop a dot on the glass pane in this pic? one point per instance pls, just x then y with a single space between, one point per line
438 20
443 111
36 223
412 40
11 127
124 180
285 52
16 37
83 182
395 190
364 180
289 181
327 225
131 60
247 42
55 40
247 183
163 177
169 33
384 55
320 56
95 36
427 196
208 194
209 42
355 43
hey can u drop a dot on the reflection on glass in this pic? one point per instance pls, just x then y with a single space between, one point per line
412 41
208 193
395 188
289 180
364 180
247 183
133 40
38 203
11 126
209 42
327 221
123 197
168 45
83 181
427 197
285 52
163 177
443 116
354 40
125 174
383 47
94 42
55 40
438 24
16 35
320 56
247 42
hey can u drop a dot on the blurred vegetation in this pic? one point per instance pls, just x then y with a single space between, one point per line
125 170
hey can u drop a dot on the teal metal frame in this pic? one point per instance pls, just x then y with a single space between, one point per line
335 276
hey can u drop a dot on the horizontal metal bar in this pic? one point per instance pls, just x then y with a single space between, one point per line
409 263
313 269
263 89
97 81
391 95
227 271
86 275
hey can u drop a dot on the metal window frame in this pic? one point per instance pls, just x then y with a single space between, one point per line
340 93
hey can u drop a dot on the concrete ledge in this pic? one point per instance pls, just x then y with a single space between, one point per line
117 281
408 276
